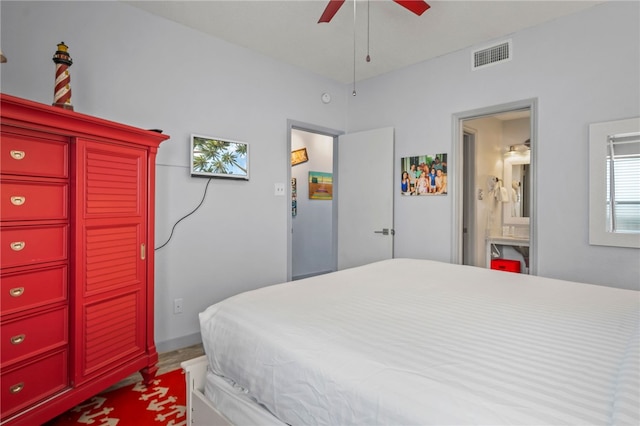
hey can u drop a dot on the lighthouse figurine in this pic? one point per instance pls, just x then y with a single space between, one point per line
62 92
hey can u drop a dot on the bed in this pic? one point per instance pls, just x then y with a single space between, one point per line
408 342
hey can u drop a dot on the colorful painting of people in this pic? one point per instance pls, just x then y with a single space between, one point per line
424 175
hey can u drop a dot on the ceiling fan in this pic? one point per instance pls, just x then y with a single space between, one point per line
416 6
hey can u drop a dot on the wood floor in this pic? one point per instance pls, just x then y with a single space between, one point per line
167 361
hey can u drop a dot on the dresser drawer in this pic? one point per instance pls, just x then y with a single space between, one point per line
30 156
25 245
33 382
33 200
33 335
32 288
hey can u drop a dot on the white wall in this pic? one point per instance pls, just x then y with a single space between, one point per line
132 67
312 243
582 69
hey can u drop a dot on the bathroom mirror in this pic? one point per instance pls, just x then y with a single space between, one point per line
518 184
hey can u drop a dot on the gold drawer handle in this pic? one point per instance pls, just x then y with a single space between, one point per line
16 292
16 340
16 388
17 155
18 200
17 245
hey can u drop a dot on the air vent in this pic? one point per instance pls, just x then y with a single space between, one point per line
491 55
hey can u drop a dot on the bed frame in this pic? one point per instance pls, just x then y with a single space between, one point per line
200 411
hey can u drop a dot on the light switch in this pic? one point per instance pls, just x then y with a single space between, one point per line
279 189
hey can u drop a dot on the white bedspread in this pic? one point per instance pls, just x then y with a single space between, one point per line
406 342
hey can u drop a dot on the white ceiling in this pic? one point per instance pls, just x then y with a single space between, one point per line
287 30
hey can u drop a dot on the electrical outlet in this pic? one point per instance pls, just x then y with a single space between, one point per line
279 189
177 306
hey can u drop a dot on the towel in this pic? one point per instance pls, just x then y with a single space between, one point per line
503 195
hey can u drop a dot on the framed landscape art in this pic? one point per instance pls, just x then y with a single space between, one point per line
320 186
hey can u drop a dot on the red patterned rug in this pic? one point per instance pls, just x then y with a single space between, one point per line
163 403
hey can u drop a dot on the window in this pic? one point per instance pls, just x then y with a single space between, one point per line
614 183
623 181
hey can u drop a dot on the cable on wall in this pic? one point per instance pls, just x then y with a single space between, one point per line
187 215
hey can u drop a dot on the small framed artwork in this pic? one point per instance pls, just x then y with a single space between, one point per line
424 175
219 158
320 186
294 197
299 156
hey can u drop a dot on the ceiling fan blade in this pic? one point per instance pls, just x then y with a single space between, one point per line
331 9
416 6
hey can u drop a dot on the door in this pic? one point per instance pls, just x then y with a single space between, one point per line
110 280
365 185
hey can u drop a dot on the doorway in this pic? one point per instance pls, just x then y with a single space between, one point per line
361 229
312 221
495 147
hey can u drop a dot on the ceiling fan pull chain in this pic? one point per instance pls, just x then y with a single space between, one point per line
354 48
368 32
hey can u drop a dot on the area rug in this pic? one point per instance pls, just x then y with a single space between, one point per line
161 404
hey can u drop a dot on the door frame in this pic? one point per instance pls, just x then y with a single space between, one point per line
312 128
469 197
457 177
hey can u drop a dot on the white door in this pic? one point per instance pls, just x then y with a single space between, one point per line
365 192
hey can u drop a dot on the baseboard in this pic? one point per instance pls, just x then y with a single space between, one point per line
313 274
178 343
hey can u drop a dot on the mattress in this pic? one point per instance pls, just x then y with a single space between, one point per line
407 341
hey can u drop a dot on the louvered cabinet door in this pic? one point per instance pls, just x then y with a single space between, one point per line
110 251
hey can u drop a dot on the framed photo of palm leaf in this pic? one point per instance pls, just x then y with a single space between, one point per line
219 158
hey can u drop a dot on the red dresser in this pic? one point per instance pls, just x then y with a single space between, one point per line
76 265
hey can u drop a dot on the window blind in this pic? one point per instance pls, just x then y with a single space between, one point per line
623 183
